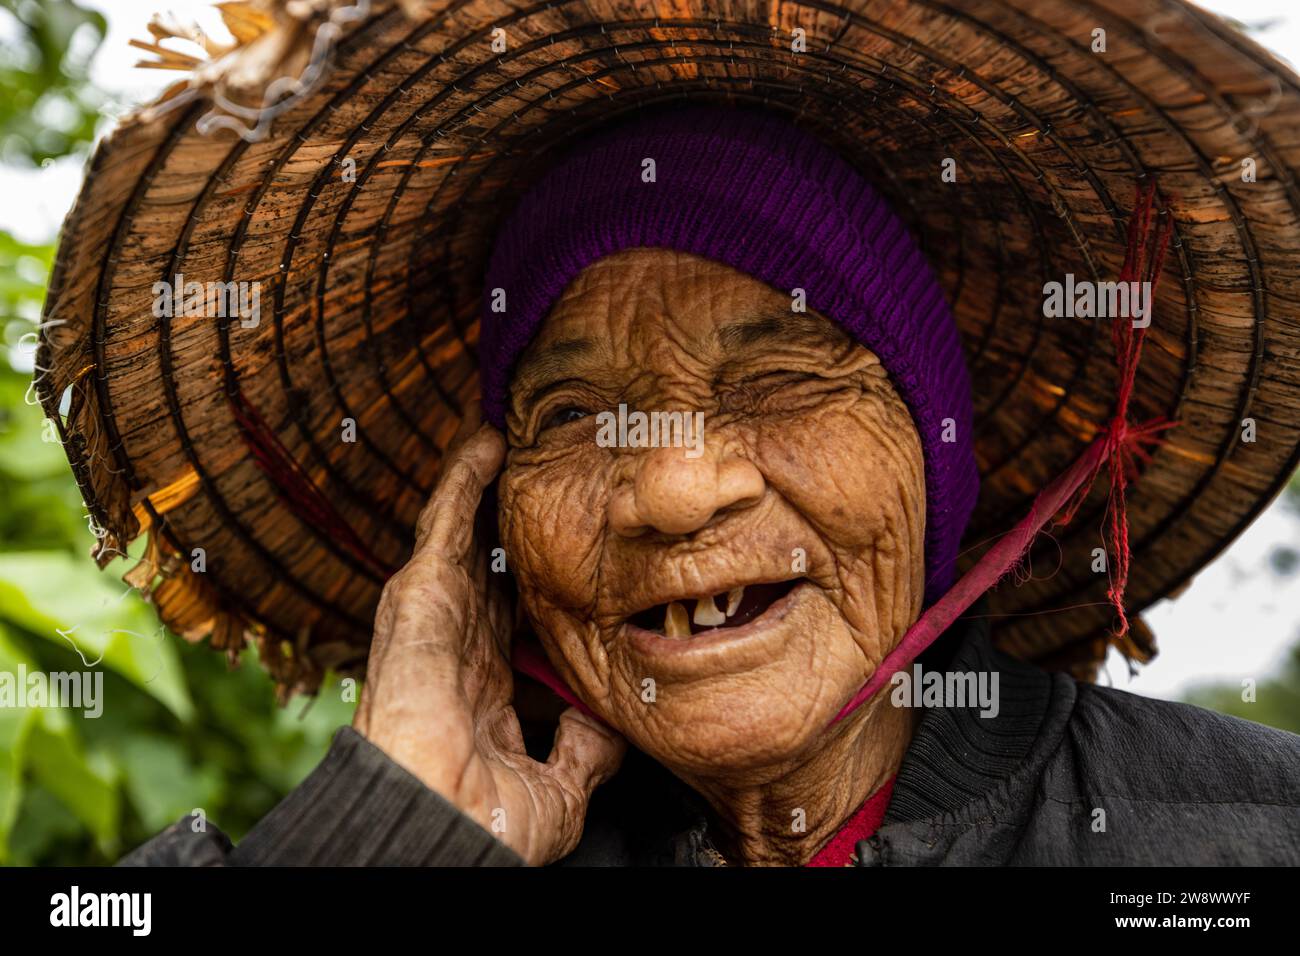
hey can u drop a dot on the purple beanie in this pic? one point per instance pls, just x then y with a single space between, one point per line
751 191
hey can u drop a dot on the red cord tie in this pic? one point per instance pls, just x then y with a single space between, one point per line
1128 446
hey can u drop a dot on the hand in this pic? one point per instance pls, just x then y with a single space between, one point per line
438 692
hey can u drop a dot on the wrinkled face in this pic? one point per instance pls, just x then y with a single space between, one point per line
717 601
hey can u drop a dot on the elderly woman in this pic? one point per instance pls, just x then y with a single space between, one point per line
717 605
748 462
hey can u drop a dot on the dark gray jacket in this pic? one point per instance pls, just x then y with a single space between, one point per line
1065 774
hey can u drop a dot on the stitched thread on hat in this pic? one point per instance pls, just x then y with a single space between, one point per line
295 486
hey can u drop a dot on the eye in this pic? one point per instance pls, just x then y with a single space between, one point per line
565 415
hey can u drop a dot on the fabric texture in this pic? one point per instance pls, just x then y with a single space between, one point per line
1175 785
749 190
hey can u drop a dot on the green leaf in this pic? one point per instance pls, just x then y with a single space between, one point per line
49 109
57 761
24 267
68 602
161 781
15 722
47 834
25 454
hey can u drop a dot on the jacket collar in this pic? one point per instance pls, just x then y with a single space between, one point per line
956 754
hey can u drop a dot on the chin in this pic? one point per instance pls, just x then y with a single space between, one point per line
749 702
729 727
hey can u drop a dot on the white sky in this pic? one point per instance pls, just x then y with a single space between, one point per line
1236 620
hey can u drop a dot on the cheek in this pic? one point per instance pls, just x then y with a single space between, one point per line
553 524
853 469
552 521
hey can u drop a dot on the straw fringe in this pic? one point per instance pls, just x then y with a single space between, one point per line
279 54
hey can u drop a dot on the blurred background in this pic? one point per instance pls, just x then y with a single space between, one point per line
183 731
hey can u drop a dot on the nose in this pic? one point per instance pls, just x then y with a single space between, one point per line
674 494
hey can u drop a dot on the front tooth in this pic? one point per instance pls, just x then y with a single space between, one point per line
676 624
733 600
707 613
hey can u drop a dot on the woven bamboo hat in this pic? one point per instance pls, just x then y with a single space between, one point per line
354 160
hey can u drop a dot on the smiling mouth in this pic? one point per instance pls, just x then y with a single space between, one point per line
683 619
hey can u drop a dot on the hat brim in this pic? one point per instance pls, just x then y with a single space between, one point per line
367 210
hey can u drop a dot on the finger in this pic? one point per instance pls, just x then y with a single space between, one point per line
586 752
446 525
471 418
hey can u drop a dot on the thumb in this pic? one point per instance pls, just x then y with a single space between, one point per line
585 755
586 752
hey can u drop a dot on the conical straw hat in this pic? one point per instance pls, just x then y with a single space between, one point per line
353 160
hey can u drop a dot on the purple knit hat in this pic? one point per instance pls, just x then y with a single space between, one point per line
752 191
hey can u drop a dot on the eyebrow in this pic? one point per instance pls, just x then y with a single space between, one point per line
555 357
550 364
554 363
773 326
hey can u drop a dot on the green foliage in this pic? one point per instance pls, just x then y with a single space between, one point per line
180 729
1276 700
49 109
